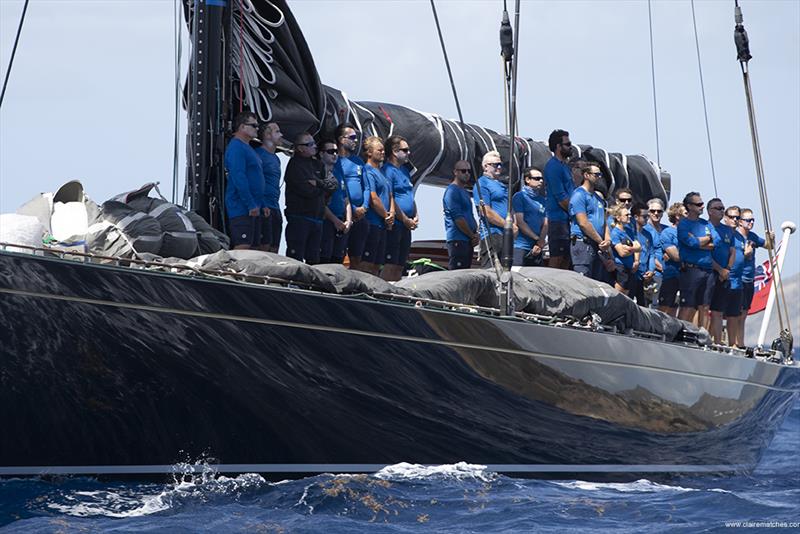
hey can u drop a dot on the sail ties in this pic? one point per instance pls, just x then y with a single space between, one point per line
743 55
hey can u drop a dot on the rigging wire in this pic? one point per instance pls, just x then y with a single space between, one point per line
13 52
177 126
241 55
705 107
481 207
653 75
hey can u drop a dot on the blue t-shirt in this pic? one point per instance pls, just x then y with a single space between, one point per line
338 201
457 205
558 180
619 236
657 252
669 238
646 255
531 205
689 233
245 189
271 166
749 269
738 262
402 189
723 242
351 170
582 201
495 195
381 186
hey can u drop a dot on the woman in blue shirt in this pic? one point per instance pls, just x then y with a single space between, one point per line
625 249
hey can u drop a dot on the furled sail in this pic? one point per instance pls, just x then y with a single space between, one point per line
272 73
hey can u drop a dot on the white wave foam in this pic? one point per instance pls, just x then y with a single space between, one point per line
190 483
639 486
460 471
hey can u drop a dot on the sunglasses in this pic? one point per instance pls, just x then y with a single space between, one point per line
733 217
331 151
596 174
568 145
406 150
715 208
351 137
700 204
497 165
463 171
537 178
747 220
253 124
309 144
625 200
656 211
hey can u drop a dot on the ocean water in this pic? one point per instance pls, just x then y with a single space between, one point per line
409 498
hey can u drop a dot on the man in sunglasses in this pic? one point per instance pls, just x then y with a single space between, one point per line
459 223
338 215
751 242
654 228
722 260
558 179
398 239
306 188
493 200
349 168
531 218
244 193
695 243
588 228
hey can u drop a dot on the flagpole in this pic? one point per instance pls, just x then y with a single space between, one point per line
788 228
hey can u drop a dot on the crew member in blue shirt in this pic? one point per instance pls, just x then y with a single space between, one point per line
733 308
491 196
338 215
531 218
558 180
398 239
722 259
624 196
350 169
695 243
655 211
645 275
244 192
588 225
624 249
272 227
668 295
752 242
459 223
380 215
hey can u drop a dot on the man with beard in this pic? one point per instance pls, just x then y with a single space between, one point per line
270 136
459 223
398 239
558 180
722 259
244 194
695 243
588 226
349 169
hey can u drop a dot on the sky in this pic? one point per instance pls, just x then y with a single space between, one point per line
91 94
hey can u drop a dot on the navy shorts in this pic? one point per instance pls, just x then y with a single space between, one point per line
245 230
484 258
398 244
357 238
668 295
624 277
721 295
460 254
748 289
334 244
696 286
272 228
524 258
586 260
734 306
375 248
303 237
558 238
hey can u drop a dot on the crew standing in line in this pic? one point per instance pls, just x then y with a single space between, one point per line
398 239
381 206
695 243
338 216
588 226
668 294
306 187
493 200
459 223
350 169
558 180
244 193
531 219
722 259
272 228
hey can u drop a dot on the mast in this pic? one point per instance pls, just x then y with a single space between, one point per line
205 138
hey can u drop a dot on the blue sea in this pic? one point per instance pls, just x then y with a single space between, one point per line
410 498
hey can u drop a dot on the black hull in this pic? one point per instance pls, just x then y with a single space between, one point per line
118 370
